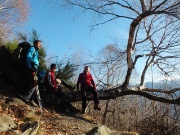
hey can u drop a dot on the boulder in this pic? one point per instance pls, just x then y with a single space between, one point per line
21 108
6 123
102 130
30 128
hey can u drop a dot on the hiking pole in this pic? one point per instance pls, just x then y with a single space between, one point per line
27 97
38 97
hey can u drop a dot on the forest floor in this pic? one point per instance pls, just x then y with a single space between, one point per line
51 121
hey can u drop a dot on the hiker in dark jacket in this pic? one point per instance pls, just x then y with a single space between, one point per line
87 83
32 63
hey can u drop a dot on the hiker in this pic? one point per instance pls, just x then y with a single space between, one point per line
32 60
32 63
50 79
52 86
87 83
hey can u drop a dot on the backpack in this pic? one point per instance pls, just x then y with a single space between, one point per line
46 79
20 53
41 76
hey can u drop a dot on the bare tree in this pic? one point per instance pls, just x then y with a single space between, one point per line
161 48
157 18
153 34
109 72
12 14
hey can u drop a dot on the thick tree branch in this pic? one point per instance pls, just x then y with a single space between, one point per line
114 93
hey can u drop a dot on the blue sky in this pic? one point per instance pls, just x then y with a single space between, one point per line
63 33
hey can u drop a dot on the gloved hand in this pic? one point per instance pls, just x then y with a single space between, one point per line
94 88
35 77
55 87
33 70
78 89
34 65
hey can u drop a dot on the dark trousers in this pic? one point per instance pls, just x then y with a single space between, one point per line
31 83
84 91
31 79
59 93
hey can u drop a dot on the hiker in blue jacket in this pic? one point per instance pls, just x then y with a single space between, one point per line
32 63
32 60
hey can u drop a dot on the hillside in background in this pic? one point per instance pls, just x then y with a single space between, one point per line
164 84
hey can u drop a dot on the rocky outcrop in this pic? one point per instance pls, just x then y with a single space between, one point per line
30 128
11 71
6 123
102 130
21 119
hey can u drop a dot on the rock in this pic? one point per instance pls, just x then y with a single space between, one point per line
26 110
30 128
25 126
102 130
6 123
14 101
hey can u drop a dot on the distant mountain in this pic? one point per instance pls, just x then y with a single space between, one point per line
164 84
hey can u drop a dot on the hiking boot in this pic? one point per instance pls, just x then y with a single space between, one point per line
72 88
67 110
33 103
96 107
25 100
83 111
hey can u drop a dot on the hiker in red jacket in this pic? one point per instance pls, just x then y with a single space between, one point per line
51 79
52 87
87 84
50 82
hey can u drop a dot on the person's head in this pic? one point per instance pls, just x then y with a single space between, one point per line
37 44
53 67
86 69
